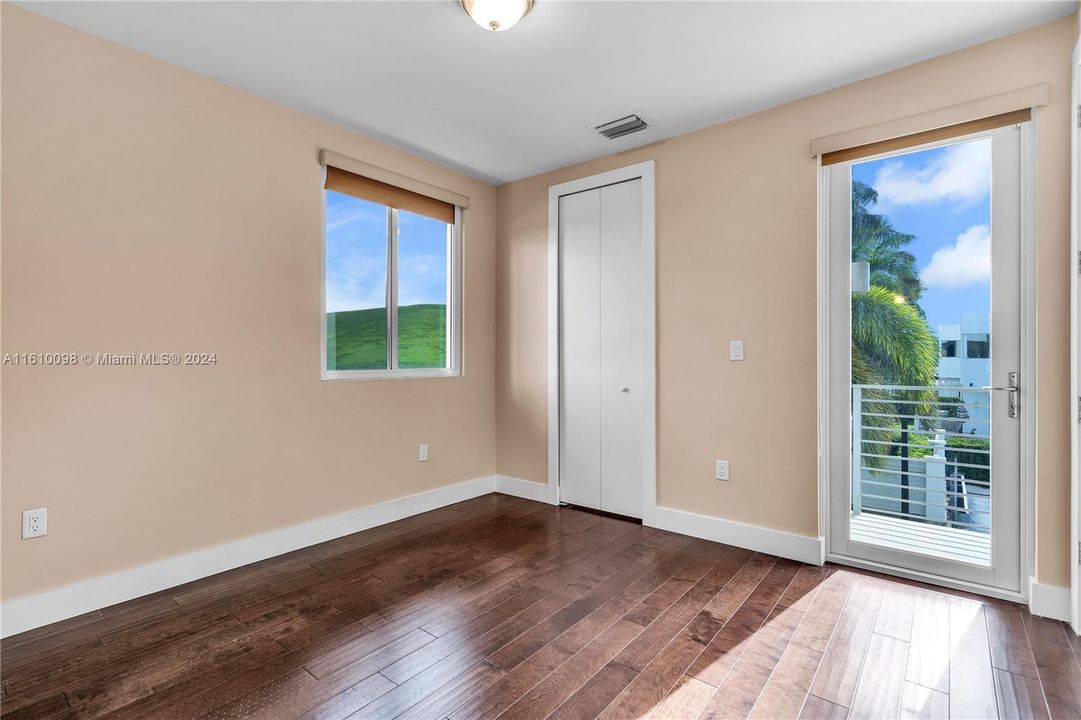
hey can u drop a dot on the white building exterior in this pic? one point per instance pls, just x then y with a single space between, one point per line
965 352
964 360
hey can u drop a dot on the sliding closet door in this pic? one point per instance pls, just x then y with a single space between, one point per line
580 349
601 348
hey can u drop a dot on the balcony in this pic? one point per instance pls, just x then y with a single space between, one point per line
921 470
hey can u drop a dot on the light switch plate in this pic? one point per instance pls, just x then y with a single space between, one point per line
735 350
422 454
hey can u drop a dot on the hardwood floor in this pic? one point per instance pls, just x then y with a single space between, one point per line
504 607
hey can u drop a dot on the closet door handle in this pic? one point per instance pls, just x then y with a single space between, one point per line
624 388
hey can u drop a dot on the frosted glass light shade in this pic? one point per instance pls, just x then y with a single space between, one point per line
497 15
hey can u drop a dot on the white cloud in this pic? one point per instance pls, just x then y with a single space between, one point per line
422 279
965 262
961 173
356 282
338 219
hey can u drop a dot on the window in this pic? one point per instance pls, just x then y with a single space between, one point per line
978 346
390 283
949 348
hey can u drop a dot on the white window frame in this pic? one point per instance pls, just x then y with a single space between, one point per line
454 306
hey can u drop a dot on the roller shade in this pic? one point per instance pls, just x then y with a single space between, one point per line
927 136
375 191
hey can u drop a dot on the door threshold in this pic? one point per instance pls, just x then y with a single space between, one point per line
603 513
951 583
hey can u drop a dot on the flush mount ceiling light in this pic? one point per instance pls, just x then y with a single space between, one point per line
497 15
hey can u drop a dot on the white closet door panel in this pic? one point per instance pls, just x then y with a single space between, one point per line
580 349
621 346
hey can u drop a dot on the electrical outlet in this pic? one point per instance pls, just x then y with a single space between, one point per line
35 523
422 455
722 469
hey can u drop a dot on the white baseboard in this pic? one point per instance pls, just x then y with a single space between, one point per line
523 488
31 611
774 542
1049 601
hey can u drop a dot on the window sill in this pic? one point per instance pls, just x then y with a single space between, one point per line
400 374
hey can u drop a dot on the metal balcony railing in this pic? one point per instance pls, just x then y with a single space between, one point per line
923 454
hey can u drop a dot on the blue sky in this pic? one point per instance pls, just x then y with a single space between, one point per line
357 256
943 197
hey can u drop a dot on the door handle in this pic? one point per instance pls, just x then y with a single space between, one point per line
1014 389
624 388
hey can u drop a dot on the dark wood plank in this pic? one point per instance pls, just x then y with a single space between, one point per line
503 606
37 709
212 686
591 699
662 673
804 587
1010 649
661 631
726 648
258 702
431 653
470 652
736 591
348 701
1019 696
1059 675
785 692
514 653
554 690
737 695
501 694
325 691
1075 642
458 691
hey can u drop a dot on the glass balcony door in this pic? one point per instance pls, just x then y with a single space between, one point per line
924 316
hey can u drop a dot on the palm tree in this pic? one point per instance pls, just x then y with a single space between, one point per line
891 341
876 241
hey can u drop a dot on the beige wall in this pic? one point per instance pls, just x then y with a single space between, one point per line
146 208
736 229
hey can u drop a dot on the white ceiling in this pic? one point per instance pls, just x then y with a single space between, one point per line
501 106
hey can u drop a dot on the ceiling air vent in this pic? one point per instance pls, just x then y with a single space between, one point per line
621 127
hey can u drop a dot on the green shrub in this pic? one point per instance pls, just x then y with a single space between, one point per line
955 452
